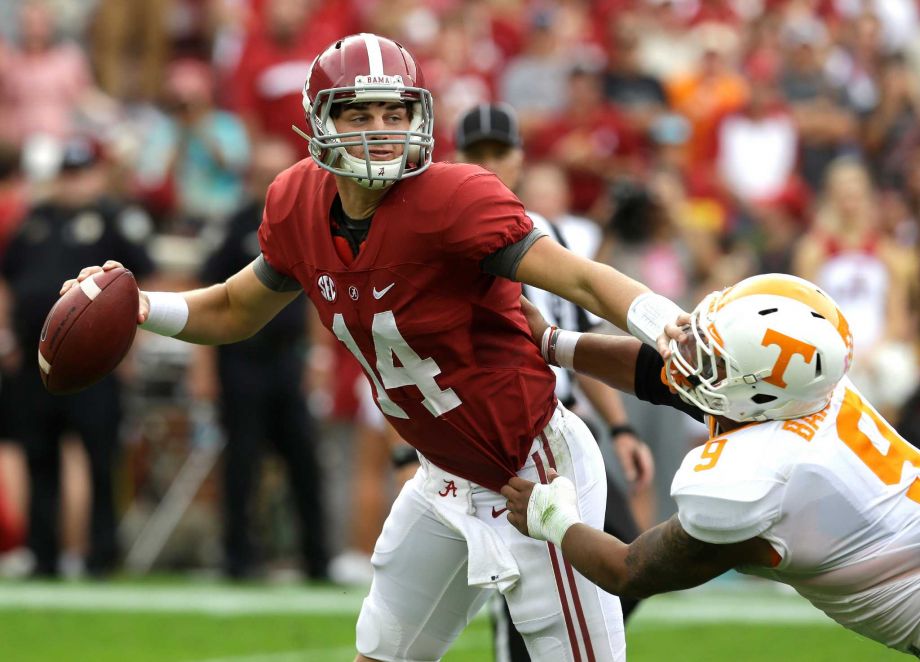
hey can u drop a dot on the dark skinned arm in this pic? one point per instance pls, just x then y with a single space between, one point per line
664 558
609 359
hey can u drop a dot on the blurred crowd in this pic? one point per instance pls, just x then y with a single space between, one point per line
704 140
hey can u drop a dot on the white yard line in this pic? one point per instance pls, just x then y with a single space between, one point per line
218 600
742 605
703 608
342 652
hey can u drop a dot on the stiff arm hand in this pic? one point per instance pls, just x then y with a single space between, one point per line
664 558
544 512
675 330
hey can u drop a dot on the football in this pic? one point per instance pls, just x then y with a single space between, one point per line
88 331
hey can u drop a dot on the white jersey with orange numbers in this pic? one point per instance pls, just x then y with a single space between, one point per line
837 495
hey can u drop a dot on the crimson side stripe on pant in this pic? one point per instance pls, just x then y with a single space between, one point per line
548 450
563 598
579 611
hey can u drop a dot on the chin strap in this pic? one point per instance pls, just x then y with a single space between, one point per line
300 132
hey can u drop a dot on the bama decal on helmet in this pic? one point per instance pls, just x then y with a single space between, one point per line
365 81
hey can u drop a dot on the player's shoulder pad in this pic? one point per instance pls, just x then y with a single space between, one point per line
730 489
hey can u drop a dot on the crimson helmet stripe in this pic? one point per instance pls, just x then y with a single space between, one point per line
374 56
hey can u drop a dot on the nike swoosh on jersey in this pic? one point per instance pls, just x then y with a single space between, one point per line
378 294
497 513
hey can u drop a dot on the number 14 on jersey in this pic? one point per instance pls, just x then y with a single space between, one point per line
413 371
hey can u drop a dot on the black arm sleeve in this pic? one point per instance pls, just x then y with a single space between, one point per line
272 279
650 388
504 262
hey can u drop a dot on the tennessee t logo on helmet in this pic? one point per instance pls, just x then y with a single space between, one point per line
788 347
730 366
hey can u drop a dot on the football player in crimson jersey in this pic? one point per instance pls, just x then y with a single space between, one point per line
416 268
801 481
488 136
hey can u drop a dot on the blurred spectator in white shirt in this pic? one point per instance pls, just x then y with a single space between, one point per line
758 146
870 277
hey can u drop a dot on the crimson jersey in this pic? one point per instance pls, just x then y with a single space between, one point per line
446 346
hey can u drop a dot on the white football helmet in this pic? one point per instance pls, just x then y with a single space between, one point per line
366 68
771 347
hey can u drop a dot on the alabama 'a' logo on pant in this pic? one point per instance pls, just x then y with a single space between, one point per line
449 488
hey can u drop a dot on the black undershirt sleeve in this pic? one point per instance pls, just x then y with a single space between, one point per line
650 388
504 262
273 279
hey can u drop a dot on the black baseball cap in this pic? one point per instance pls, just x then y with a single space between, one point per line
486 121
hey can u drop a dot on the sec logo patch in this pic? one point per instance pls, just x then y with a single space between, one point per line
326 287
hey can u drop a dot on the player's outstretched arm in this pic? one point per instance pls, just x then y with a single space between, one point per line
603 290
664 558
609 359
220 314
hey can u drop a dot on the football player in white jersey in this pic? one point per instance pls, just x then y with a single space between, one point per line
801 481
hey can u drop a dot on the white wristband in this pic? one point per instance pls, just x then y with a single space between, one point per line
558 347
168 313
648 314
551 510
565 348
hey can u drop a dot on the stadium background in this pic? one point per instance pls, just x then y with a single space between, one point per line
749 136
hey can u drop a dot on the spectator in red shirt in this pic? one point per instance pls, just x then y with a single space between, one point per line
276 55
589 138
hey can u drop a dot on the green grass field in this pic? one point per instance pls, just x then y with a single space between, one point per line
182 622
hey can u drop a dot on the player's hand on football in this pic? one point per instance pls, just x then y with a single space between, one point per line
86 272
534 320
143 307
676 330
